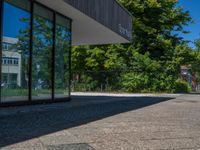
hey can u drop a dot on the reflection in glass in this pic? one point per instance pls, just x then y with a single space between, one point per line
15 50
63 36
42 53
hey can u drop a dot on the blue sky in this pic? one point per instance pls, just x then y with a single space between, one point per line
12 23
194 7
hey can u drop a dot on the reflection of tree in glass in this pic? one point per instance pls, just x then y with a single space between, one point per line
23 47
42 52
62 56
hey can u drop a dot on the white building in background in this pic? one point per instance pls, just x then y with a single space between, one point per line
11 63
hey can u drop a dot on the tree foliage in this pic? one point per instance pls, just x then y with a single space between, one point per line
152 61
196 62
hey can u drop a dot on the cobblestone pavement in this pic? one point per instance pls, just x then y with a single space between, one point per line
104 123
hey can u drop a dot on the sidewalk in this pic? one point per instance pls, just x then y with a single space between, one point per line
125 94
105 123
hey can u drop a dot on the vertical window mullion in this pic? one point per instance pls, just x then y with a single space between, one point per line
31 50
1 24
70 61
53 56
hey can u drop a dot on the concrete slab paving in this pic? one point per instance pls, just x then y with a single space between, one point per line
105 123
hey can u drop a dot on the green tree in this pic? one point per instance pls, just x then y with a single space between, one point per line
197 45
155 23
152 61
196 61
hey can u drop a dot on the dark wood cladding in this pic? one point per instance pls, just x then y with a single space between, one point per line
107 12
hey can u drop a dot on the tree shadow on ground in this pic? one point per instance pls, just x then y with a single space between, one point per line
19 127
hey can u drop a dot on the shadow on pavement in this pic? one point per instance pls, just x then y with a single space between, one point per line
194 93
19 127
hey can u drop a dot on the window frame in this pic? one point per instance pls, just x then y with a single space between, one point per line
30 101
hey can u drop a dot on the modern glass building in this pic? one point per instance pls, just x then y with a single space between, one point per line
36 38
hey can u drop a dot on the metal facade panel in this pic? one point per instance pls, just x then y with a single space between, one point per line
107 12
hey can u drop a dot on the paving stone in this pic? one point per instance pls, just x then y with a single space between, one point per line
104 123
58 138
71 147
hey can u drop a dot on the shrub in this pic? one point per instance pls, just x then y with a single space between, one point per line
182 86
134 82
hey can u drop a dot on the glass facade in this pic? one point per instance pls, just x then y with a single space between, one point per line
42 53
15 50
63 37
35 53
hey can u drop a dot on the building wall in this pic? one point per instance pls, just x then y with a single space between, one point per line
108 12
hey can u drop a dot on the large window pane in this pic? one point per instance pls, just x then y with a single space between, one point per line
42 53
63 37
15 50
